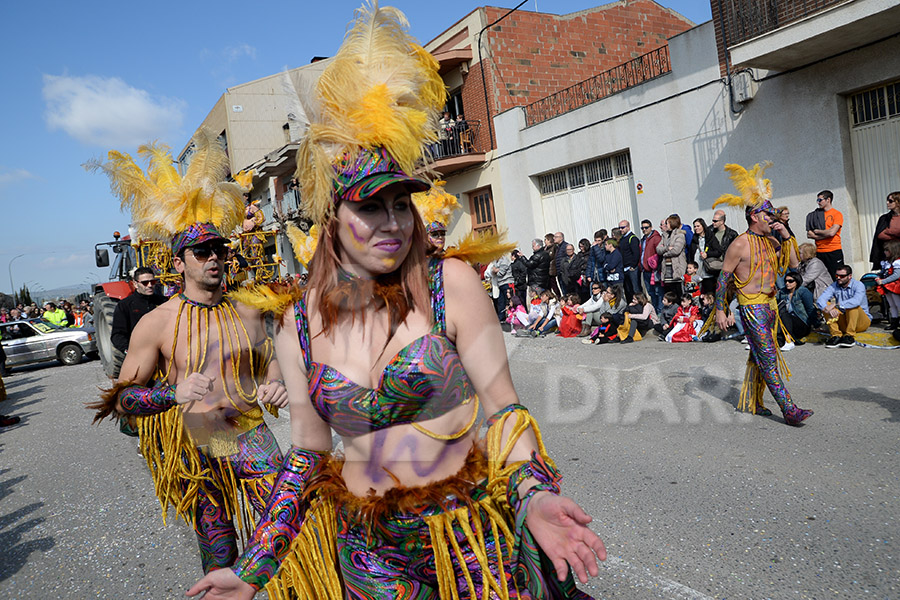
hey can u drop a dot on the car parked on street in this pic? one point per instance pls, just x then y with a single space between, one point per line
36 340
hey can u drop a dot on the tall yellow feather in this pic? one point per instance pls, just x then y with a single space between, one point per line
381 90
753 188
480 248
304 245
161 202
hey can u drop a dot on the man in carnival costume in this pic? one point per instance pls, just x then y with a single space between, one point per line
201 427
753 262
396 351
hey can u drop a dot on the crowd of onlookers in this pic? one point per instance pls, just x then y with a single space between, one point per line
64 314
624 285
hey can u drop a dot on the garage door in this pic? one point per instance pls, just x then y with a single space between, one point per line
875 142
583 198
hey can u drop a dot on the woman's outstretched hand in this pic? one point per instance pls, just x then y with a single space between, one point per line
222 584
560 528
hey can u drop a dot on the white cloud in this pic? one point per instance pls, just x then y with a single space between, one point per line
15 175
67 261
108 112
233 53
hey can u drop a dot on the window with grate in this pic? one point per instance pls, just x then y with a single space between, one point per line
593 172
623 164
482 205
874 105
588 173
576 176
606 169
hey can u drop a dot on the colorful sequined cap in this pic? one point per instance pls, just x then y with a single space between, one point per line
369 173
194 235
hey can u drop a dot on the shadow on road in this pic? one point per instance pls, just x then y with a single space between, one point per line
892 405
13 528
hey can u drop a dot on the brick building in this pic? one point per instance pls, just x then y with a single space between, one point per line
524 57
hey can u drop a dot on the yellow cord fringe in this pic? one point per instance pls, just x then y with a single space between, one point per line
311 570
173 457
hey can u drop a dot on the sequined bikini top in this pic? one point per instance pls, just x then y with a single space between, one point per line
423 381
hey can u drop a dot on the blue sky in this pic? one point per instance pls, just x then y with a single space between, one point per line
84 77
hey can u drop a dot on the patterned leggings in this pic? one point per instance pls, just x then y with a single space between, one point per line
258 455
397 560
759 323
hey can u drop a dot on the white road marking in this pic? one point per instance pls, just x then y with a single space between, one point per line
643 577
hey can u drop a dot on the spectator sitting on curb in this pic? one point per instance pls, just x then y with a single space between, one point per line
797 311
846 309
670 307
642 317
570 324
591 309
813 271
605 332
681 328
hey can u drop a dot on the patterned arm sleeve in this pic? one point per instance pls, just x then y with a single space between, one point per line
140 400
281 521
722 289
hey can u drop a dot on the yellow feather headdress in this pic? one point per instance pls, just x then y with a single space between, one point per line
435 205
381 93
162 202
303 244
755 191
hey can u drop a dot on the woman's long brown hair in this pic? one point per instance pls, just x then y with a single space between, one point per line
399 292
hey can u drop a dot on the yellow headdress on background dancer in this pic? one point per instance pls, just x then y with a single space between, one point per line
186 211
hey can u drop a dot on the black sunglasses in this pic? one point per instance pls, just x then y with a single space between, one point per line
645 227
147 282
203 252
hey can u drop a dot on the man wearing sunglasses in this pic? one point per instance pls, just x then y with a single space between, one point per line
130 310
215 364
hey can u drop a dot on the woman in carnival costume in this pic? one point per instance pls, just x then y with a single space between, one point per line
753 261
396 352
201 427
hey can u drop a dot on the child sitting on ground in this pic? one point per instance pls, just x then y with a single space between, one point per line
682 326
604 333
570 323
669 308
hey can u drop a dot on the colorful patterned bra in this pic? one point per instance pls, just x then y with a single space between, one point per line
423 381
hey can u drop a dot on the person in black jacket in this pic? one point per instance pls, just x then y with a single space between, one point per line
887 228
130 310
519 268
630 247
597 258
559 240
539 266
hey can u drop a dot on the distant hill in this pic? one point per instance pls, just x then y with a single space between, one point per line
61 293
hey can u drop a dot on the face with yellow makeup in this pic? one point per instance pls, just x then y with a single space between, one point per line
374 234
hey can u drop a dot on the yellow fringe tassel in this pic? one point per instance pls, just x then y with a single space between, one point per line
178 474
310 570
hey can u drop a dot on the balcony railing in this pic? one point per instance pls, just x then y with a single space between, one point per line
459 140
746 19
619 78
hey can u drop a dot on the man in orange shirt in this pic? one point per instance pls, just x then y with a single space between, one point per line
828 240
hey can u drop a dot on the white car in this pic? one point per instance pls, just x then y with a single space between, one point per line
37 340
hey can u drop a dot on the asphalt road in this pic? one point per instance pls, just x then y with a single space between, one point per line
693 500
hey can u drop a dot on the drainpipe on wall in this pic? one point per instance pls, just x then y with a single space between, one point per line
728 63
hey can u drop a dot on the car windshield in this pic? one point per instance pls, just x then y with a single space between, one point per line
44 326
